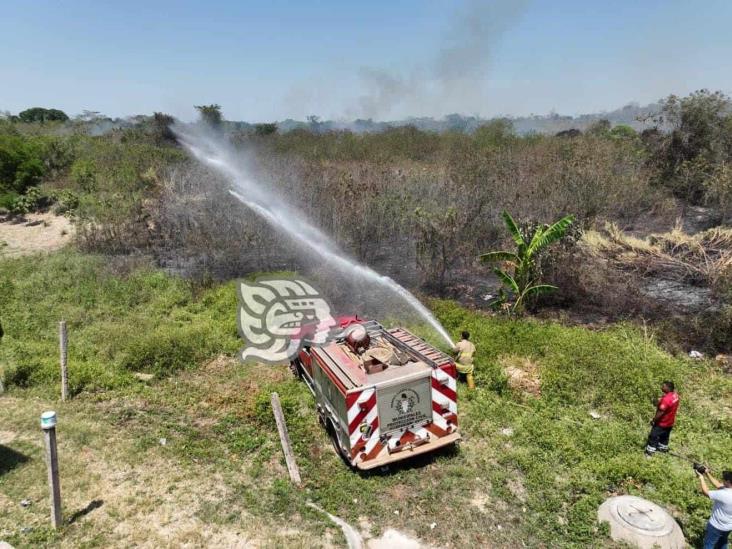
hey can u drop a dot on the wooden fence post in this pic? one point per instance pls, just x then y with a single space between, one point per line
285 440
48 424
63 343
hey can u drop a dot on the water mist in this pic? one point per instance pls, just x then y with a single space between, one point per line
213 151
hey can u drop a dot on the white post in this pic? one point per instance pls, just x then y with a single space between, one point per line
48 424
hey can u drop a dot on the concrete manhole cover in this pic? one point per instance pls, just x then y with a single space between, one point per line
640 522
644 516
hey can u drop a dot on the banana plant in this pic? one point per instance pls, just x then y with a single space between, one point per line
523 281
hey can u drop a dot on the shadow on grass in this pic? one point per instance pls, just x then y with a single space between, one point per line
10 459
94 504
417 462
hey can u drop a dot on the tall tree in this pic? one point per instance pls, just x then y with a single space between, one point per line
210 114
161 131
698 142
39 114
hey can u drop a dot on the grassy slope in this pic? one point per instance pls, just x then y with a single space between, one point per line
220 475
143 322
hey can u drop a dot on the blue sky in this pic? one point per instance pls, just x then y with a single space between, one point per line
339 59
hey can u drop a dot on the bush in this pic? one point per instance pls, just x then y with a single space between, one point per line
84 175
167 349
21 164
8 199
28 202
66 201
709 332
700 139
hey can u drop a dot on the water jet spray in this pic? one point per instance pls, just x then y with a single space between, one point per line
217 154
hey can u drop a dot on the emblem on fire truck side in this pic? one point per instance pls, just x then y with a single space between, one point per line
275 315
403 403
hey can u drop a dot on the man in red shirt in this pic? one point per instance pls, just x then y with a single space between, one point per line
664 420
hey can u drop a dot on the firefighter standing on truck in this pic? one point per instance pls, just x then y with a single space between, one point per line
464 351
664 420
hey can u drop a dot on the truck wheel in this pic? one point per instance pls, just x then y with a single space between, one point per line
295 368
336 443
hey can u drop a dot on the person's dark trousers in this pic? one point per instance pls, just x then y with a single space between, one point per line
658 439
715 539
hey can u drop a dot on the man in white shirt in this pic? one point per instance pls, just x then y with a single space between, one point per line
720 522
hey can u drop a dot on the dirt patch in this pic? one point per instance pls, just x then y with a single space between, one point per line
522 374
516 486
399 492
480 501
34 233
6 437
394 539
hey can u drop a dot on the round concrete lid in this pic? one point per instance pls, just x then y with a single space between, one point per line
644 515
640 522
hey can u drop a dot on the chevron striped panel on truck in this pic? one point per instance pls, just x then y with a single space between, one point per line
444 400
363 413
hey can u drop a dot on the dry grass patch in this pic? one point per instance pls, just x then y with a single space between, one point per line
705 257
522 374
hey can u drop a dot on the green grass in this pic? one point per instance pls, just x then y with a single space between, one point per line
570 461
144 322
541 484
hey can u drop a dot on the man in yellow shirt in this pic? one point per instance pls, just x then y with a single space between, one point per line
464 351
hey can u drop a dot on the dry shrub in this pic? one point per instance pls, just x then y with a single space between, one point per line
704 258
430 213
709 332
415 205
522 374
612 273
590 282
724 362
204 232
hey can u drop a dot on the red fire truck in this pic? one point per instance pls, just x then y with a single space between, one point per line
383 395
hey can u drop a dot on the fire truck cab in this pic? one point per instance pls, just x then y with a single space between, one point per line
383 395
